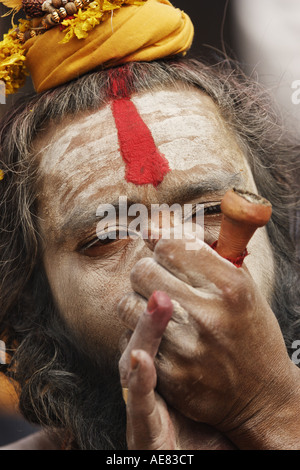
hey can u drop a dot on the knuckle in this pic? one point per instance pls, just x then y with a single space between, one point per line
238 291
122 369
166 248
130 307
124 340
124 304
142 268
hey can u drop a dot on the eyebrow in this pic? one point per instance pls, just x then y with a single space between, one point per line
187 191
81 220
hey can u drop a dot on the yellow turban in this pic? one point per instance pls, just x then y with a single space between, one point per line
151 31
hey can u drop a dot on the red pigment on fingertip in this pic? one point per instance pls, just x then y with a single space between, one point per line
160 308
159 301
152 303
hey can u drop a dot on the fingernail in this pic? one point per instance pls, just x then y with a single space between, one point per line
134 360
159 300
152 303
160 308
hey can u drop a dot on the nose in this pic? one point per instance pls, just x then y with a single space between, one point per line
160 225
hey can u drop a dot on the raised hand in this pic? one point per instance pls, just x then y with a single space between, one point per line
222 360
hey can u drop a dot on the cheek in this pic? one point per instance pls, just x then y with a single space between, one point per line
87 292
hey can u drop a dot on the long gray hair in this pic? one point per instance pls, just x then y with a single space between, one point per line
57 388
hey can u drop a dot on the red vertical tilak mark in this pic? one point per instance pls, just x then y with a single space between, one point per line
144 163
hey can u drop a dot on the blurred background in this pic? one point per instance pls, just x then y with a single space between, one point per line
264 35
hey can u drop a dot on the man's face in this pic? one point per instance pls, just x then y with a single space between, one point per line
81 168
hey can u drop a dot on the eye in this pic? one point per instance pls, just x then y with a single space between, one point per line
212 210
211 213
206 210
106 243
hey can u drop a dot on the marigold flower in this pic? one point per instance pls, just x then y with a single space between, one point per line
12 63
95 13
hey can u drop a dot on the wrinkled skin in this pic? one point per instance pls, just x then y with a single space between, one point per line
81 167
231 370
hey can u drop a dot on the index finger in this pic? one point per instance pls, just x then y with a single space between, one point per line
195 267
149 330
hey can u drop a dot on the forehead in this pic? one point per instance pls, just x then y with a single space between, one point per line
81 164
186 118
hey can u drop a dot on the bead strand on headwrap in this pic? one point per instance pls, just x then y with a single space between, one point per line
61 40
50 13
37 8
44 15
